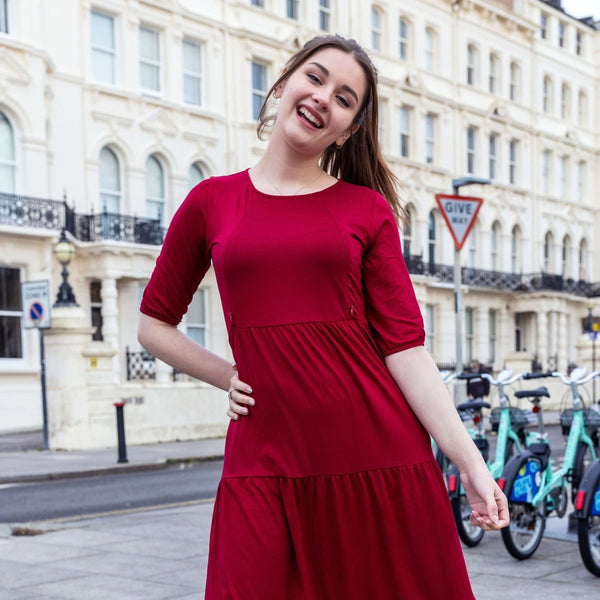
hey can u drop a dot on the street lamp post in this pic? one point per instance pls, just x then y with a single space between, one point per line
459 384
64 252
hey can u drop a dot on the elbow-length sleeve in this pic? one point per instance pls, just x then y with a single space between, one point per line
391 305
183 260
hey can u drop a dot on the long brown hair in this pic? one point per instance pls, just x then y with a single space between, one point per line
360 159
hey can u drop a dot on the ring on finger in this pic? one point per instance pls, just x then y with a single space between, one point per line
229 394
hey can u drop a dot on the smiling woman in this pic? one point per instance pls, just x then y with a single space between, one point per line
330 489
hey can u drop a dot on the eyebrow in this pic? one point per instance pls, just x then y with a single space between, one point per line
346 88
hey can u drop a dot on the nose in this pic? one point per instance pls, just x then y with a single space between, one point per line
321 98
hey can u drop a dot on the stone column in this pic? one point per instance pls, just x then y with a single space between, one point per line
482 333
66 378
553 339
110 322
562 343
542 338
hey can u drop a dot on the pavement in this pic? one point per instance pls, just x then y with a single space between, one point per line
161 553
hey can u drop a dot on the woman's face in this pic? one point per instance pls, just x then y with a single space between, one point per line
320 100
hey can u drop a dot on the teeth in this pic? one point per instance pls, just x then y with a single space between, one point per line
308 115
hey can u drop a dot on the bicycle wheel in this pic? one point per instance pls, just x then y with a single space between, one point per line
524 534
470 534
582 462
588 538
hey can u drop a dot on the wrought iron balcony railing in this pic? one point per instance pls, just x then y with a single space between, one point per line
499 280
55 215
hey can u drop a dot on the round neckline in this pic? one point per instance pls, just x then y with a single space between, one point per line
256 190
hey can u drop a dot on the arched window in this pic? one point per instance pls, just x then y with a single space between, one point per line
110 182
429 50
376 28
8 164
431 235
403 39
196 174
548 246
155 189
566 252
495 246
515 250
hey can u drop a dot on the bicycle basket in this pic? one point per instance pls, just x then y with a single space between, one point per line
518 418
591 419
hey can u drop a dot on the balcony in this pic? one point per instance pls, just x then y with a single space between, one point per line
55 215
499 280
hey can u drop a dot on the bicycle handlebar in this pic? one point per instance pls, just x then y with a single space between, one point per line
580 381
507 381
538 375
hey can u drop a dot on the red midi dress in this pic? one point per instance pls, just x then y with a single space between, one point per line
329 488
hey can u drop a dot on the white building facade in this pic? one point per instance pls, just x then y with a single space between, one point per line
110 110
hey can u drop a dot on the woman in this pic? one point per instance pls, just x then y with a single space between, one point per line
329 487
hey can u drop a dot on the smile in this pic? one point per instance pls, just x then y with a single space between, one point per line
304 112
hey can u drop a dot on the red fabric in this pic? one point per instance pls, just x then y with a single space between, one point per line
329 487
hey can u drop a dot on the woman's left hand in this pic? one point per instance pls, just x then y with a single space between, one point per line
488 504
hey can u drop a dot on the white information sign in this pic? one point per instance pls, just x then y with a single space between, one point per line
36 304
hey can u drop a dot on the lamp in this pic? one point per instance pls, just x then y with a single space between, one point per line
64 252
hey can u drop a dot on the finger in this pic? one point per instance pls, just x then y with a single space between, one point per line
240 398
232 415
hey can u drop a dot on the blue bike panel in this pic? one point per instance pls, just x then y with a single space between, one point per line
596 502
527 483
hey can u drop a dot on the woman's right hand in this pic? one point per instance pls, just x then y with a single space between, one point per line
238 398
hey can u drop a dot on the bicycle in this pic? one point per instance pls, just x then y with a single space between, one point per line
587 513
533 488
509 422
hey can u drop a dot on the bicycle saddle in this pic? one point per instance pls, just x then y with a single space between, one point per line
537 393
473 405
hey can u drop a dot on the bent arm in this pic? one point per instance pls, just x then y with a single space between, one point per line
174 347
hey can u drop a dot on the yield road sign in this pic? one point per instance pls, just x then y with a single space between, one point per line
460 214
36 304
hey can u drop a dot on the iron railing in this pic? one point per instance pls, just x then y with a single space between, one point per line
499 280
23 211
141 366
55 215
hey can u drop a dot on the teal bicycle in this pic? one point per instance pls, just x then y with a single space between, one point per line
533 488
509 423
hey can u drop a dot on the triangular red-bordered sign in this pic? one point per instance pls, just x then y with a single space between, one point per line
460 214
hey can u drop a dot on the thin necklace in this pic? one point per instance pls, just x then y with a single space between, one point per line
310 183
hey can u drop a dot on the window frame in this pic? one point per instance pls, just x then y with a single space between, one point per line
494 74
162 200
325 15
113 52
472 64
5 18
543 26
11 313
376 28
429 40
514 91
493 146
198 76
403 42
547 94
513 161
405 138
256 92
430 137
471 155
203 293
11 164
115 194
545 171
157 64
291 9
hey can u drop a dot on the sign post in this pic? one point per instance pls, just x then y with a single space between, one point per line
36 315
460 214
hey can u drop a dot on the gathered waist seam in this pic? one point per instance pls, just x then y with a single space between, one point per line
334 475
